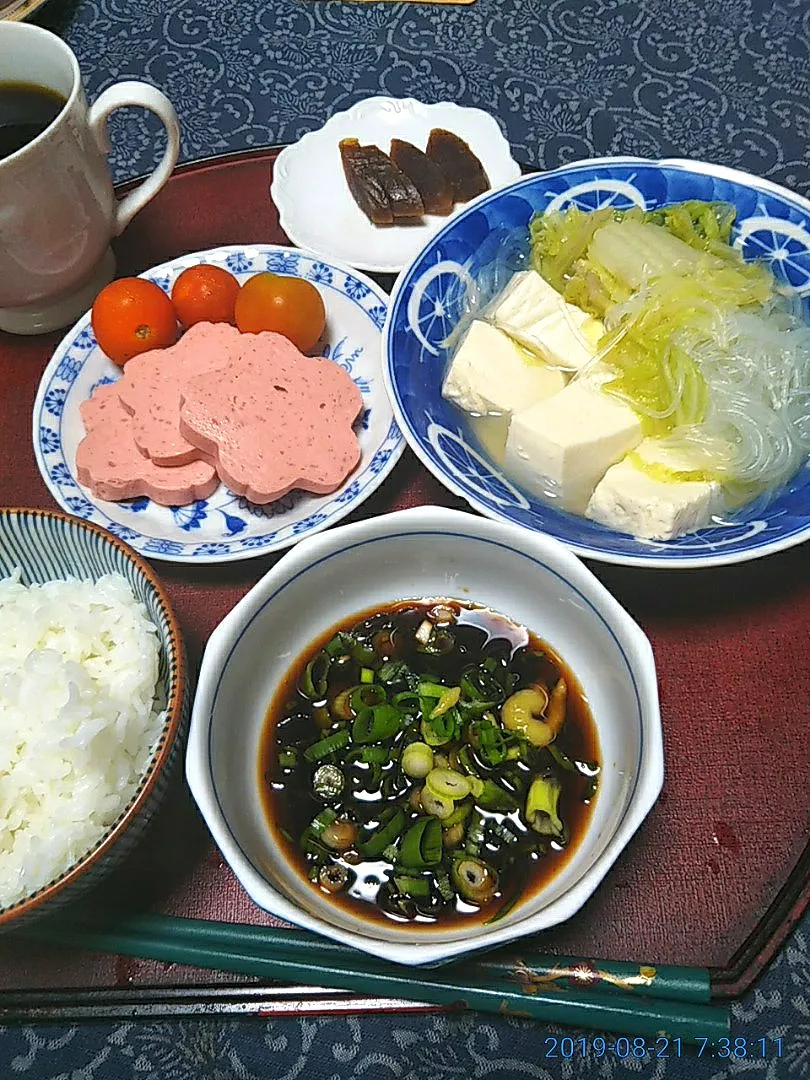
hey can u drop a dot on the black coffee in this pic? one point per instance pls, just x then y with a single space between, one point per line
25 111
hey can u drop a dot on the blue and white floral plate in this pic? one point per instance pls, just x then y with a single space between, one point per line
429 299
225 527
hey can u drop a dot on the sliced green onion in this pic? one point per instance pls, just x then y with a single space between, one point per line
392 822
431 689
407 700
327 781
342 704
363 653
329 745
445 886
288 758
422 844
417 760
448 784
366 695
340 645
392 670
322 821
496 799
322 717
390 853
441 730
474 879
505 908
414 887
562 759
465 761
490 742
476 785
503 831
374 755
366 675
438 806
542 806
475 833
479 685
314 679
334 877
460 813
375 724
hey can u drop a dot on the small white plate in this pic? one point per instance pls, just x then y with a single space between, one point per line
315 206
225 527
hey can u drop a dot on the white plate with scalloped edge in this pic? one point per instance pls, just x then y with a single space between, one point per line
315 207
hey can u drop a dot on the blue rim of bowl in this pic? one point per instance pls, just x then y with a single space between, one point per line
554 523
175 707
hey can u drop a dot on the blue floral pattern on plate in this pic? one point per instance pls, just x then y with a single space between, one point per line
226 527
429 297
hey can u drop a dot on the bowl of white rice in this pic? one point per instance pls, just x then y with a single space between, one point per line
93 706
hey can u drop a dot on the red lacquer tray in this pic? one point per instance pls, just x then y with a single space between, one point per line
719 872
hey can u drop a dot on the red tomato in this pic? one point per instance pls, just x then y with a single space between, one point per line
131 316
288 305
204 294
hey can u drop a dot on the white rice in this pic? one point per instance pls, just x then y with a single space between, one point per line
78 720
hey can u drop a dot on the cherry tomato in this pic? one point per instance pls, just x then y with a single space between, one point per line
130 316
204 294
289 305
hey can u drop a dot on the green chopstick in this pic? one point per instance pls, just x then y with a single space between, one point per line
521 966
291 956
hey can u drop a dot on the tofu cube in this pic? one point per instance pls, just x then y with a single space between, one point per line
535 314
491 374
562 447
629 500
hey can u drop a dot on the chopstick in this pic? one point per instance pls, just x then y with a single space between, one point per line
520 988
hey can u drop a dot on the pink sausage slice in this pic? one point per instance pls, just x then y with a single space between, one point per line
111 465
275 420
151 384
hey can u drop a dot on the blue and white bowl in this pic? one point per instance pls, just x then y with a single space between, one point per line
772 225
48 546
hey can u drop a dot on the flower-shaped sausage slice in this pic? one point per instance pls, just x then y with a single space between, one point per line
275 420
151 385
111 465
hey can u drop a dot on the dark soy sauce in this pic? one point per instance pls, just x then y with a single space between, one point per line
26 109
290 803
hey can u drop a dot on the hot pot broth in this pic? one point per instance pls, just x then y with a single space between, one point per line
429 761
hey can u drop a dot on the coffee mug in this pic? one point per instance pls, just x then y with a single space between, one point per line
58 211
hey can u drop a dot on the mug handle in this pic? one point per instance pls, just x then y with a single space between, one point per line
133 92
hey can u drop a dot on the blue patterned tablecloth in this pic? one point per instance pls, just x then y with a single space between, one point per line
724 80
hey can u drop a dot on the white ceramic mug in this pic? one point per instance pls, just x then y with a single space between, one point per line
58 211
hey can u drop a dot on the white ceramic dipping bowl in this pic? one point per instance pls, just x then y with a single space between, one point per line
425 552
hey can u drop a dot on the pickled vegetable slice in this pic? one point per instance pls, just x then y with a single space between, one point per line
382 191
427 176
459 164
